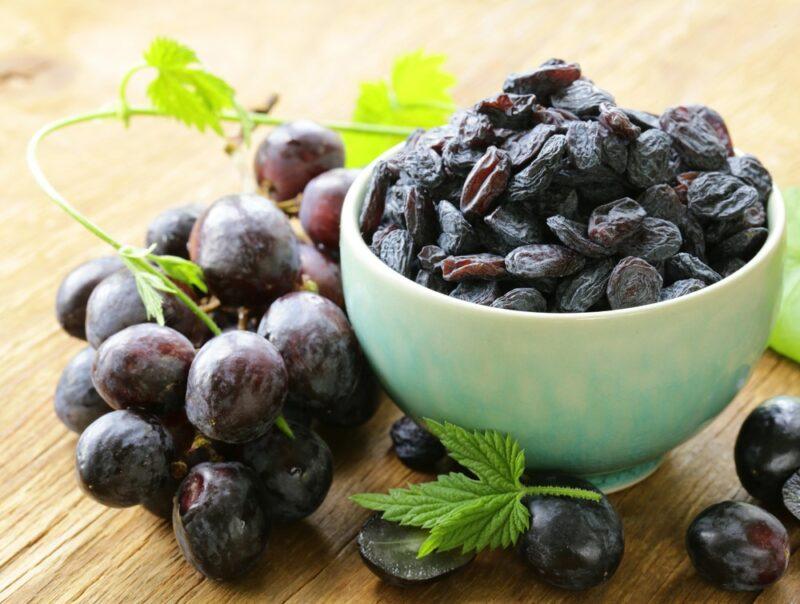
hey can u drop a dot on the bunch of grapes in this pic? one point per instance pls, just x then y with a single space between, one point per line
215 431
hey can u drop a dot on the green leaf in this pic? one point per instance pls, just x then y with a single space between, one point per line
184 90
416 95
180 269
495 458
785 337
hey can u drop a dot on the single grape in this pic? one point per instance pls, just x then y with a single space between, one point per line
123 458
738 546
416 447
247 250
115 304
77 402
318 345
75 289
321 207
144 367
170 230
390 551
219 522
767 448
357 408
236 387
323 271
293 474
293 154
571 543
791 494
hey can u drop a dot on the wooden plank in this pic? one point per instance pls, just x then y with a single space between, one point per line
61 56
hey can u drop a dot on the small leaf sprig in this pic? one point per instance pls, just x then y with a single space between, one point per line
470 513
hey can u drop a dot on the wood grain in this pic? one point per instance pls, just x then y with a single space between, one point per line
62 56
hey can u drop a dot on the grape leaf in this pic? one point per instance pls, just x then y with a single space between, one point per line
180 269
785 337
416 95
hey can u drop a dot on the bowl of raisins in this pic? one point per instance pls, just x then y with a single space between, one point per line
595 280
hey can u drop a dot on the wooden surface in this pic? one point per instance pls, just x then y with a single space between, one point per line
59 56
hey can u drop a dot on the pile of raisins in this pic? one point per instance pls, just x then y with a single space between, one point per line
550 197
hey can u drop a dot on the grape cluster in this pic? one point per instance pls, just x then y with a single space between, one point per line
185 423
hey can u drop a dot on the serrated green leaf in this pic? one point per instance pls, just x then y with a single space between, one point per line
180 269
416 95
495 458
785 337
166 53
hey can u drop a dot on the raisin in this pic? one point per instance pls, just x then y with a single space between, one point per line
618 122
486 182
551 76
543 260
556 200
655 240
473 266
661 201
538 175
694 240
752 171
477 292
458 236
728 266
642 119
717 124
743 244
509 110
719 196
553 116
613 222
684 179
395 208
614 151
633 282
515 224
380 235
753 216
649 159
685 266
430 257
583 145
420 216
375 198
434 281
458 158
527 299
696 141
681 288
573 235
473 129
397 252
582 98
424 166
523 147
583 290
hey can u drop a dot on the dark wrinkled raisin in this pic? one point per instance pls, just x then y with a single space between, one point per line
523 147
696 141
753 172
655 240
515 224
473 266
648 159
743 244
420 216
551 76
434 281
694 241
380 235
719 196
375 198
728 266
681 288
644 119
582 98
633 282
553 116
397 252
716 122
477 292
583 145
526 299
583 290
424 166
613 222
508 110
754 216
430 257
661 201
615 120
457 236
473 129
486 182
459 158
556 200
684 179
685 266
573 235
538 175
614 151
395 208
543 260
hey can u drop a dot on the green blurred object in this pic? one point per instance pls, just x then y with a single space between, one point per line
417 95
785 337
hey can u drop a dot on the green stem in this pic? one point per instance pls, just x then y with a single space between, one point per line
123 92
573 492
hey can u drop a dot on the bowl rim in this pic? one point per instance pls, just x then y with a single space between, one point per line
351 233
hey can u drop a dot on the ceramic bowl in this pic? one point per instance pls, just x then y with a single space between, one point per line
604 395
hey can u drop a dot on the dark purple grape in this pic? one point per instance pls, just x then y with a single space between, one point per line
738 546
123 458
633 282
654 241
610 224
767 450
319 347
486 182
515 225
115 304
719 196
323 271
580 292
753 172
686 266
582 98
791 494
434 281
661 201
477 292
743 244
390 551
419 215
551 76
458 236
375 198
524 146
574 236
616 121
357 408
293 474
430 257
473 266
74 291
219 522
236 387
293 154
525 299
397 252
247 250
649 159
321 206
169 232
539 173
143 367
681 288
77 403
571 543
416 447
696 141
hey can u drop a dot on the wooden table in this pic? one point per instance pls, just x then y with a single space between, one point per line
64 56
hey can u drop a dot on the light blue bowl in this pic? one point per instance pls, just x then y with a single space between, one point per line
604 395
